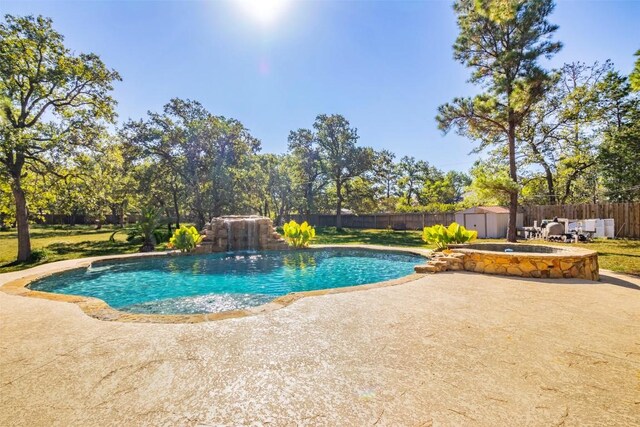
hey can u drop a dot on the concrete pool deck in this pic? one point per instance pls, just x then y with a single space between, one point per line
454 348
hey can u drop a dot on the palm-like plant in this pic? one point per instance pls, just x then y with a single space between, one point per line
298 235
145 228
185 239
443 236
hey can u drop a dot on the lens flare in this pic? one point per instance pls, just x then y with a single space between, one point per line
264 12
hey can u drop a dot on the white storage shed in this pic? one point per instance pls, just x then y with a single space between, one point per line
490 222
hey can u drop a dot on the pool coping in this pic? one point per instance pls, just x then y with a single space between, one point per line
16 284
560 251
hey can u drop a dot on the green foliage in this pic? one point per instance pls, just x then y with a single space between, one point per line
634 78
444 189
213 155
491 184
39 255
185 239
145 230
342 158
275 185
501 41
54 103
360 193
146 226
442 236
413 173
579 144
307 172
434 207
299 260
298 235
620 159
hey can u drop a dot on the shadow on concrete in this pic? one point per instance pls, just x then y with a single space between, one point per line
606 276
623 280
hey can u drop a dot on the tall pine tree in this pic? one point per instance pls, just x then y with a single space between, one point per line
501 41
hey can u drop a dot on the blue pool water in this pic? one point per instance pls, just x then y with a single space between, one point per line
220 282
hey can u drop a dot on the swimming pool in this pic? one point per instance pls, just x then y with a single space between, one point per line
216 283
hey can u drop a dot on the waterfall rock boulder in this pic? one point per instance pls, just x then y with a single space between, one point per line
240 233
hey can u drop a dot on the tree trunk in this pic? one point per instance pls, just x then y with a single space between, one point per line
513 197
339 205
22 214
200 220
114 214
550 186
167 212
22 221
280 216
123 208
309 196
551 190
277 210
176 208
574 175
201 213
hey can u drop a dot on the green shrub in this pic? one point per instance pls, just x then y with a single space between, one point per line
185 239
145 231
161 235
298 235
39 255
442 236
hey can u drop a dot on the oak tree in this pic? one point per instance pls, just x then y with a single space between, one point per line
54 103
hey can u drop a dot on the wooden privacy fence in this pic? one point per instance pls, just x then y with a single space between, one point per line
81 219
396 221
626 216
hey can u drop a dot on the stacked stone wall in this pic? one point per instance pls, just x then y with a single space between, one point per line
537 266
558 264
233 233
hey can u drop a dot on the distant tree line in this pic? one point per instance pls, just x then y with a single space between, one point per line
562 136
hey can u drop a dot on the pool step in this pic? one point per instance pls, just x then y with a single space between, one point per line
425 268
442 262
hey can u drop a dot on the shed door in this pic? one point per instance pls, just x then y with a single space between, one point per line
476 222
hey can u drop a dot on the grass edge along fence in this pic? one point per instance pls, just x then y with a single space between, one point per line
625 215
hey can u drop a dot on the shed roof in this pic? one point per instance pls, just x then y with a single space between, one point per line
486 209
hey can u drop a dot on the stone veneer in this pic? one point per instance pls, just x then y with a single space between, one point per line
232 233
537 261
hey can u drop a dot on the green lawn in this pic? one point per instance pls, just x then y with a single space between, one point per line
329 235
63 242
66 242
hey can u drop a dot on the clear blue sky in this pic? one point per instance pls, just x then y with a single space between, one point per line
385 65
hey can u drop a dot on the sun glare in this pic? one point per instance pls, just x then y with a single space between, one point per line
264 11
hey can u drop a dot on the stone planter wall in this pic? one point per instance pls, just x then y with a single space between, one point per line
538 262
570 263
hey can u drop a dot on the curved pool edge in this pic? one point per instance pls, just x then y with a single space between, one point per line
15 283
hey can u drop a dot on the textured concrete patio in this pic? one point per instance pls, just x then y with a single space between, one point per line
447 349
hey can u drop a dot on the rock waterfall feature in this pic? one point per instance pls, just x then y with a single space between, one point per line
240 233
